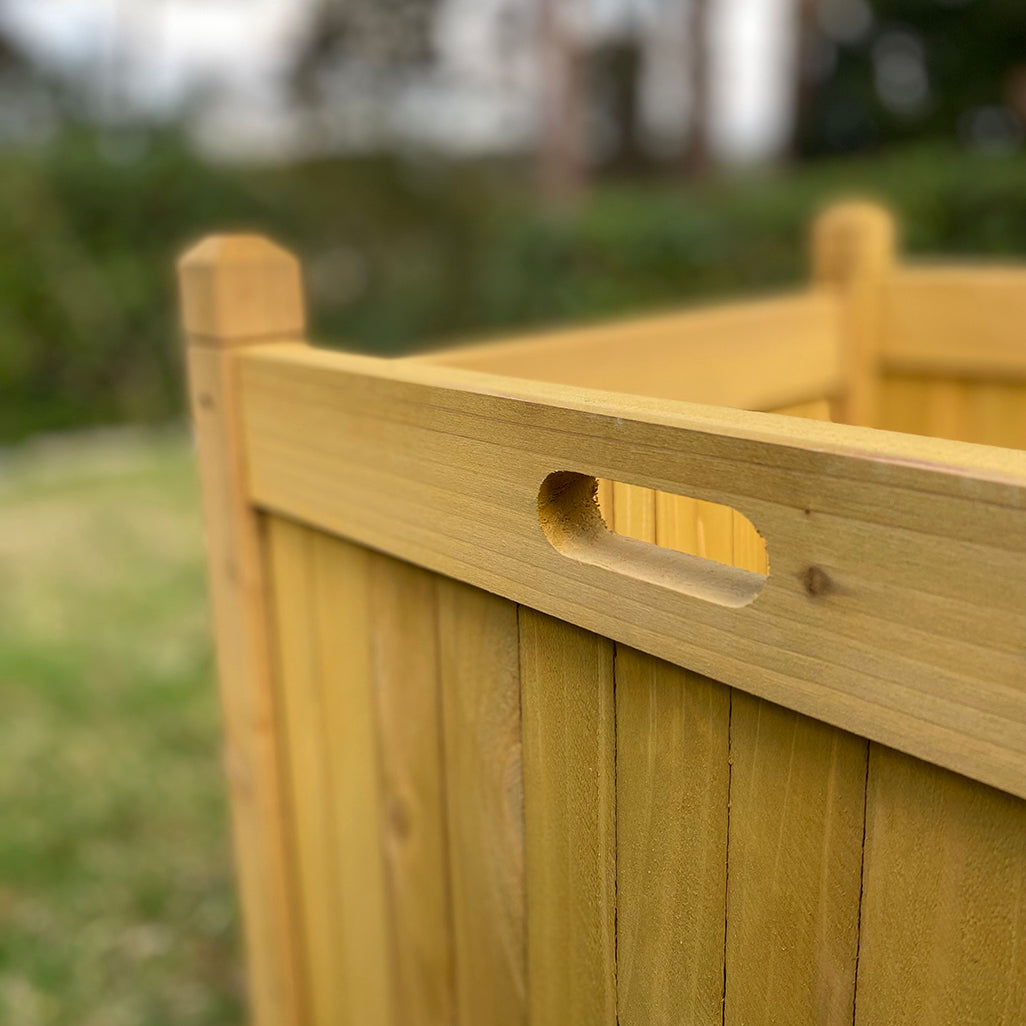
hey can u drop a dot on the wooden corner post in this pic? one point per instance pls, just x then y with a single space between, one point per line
853 251
239 291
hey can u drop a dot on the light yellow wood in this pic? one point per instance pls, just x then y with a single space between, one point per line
480 670
996 413
754 355
671 828
903 403
214 278
677 522
291 563
797 791
570 830
240 289
404 647
887 550
965 322
634 511
943 936
853 248
341 591
985 412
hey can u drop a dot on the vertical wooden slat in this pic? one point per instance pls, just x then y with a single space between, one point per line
672 779
567 699
943 936
341 581
634 511
236 292
480 672
403 625
996 413
797 796
945 413
303 717
677 522
853 248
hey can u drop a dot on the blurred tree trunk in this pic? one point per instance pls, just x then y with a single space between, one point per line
562 149
806 37
697 150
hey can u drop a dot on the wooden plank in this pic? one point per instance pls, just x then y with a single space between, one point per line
634 511
290 549
671 828
219 280
888 551
753 355
965 322
480 670
797 802
404 650
996 414
570 831
984 412
943 936
341 591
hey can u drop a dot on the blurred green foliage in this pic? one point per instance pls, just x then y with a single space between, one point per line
400 253
116 894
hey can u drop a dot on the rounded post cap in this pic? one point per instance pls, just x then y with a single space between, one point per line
852 237
240 288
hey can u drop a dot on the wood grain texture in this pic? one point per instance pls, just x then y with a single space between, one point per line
570 830
754 355
943 936
404 650
887 550
984 412
634 511
671 826
341 595
215 279
291 554
956 321
480 671
797 800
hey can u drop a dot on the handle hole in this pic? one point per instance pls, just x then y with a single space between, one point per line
701 549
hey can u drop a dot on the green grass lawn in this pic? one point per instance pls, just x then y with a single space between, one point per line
116 896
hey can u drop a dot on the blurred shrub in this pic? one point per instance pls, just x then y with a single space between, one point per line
401 253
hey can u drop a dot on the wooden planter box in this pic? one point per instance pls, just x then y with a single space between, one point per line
756 754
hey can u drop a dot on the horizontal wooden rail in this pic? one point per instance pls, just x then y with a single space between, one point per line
895 605
752 355
955 321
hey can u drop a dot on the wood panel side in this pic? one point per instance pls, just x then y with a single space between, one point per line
797 802
404 651
443 469
943 936
479 659
672 777
751 354
341 590
567 699
303 716
956 322
984 412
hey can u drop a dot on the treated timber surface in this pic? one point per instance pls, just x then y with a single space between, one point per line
756 355
886 552
956 322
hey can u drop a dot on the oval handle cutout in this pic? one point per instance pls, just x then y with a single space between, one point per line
570 516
